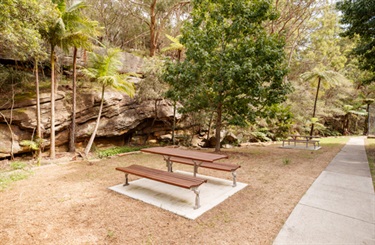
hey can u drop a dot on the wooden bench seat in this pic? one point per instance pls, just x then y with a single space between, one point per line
211 165
176 179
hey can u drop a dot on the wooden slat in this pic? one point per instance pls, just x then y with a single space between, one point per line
176 179
215 165
195 155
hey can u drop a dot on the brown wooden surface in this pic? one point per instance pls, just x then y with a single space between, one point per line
212 165
194 155
176 179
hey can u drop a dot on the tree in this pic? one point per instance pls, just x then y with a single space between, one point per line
232 66
179 48
155 14
331 78
358 16
104 70
20 26
61 33
79 34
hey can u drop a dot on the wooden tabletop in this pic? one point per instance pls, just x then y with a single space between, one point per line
176 152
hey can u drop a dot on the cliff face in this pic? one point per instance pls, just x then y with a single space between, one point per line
121 116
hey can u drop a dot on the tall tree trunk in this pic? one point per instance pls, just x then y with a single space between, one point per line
314 111
153 28
72 132
218 127
38 117
91 141
174 123
52 136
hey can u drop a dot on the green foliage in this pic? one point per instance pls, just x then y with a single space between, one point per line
260 137
7 178
17 165
286 161
104 69
232 66
20 24
358 16
117 150
33 144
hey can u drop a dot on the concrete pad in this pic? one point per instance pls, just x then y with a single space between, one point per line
357 205
311 148
339 207
179 200
346 181
309 225
349 168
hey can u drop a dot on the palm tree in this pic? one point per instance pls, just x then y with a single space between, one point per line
55 36
104 70
330 78
80 31
65 32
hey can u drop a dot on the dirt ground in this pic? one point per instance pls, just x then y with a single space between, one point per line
70 203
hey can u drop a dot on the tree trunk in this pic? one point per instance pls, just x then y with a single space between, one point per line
72 132
218 127
174 123
91 141
153 28
314 111
366 128
52 135
38 117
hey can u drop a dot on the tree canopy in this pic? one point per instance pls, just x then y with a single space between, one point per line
233 66
359 19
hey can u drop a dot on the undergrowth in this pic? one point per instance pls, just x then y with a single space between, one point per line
370 150
117 150
6 178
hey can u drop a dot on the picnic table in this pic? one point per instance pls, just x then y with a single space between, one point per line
305 139
194 158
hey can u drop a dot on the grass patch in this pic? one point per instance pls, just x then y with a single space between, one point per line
117 150
7 178
334 140
286 161
17 165
370 151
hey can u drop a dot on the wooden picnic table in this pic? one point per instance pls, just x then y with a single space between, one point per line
306 139
196 157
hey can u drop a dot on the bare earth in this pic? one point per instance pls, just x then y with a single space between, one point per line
70 203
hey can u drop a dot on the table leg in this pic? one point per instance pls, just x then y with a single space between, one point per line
126 180
169 163
197 201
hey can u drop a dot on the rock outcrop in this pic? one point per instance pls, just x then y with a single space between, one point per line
121 117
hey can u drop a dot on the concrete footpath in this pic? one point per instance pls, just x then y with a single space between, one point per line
339 207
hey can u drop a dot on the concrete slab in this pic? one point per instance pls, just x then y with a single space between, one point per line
346 181
339 207
309 225
179 200
311 148
354 204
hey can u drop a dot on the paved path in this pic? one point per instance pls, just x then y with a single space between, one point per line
339 207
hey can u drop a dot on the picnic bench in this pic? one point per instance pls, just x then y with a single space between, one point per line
176 179
305 139
194 158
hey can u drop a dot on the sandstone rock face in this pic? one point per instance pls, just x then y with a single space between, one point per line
121 116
